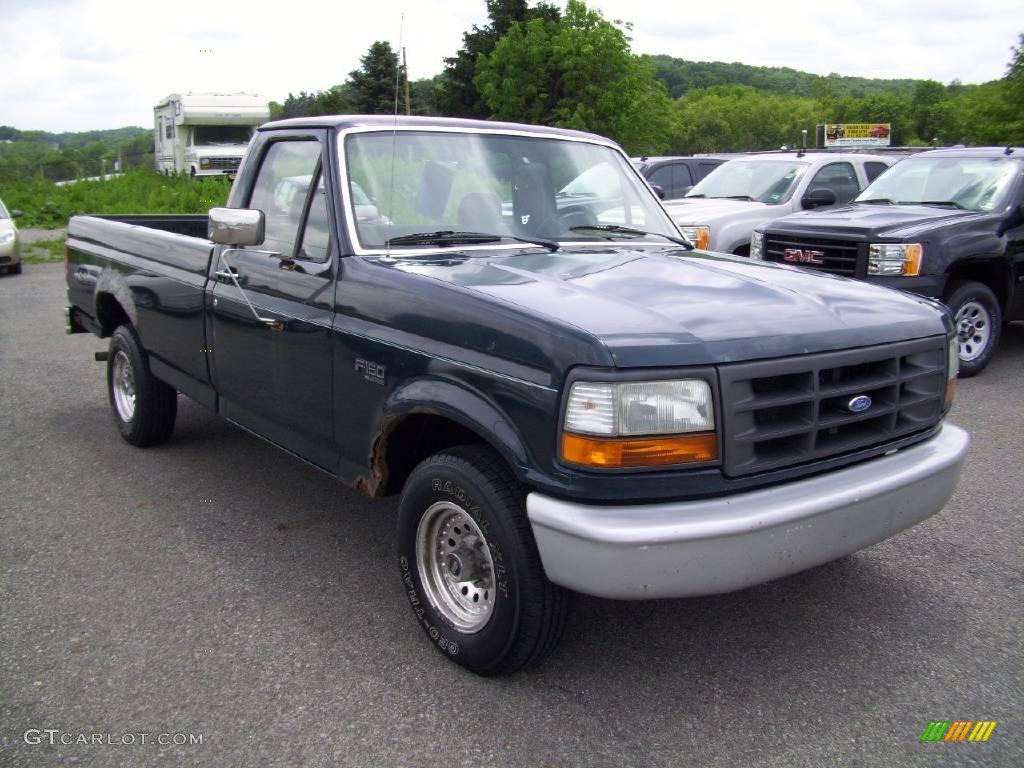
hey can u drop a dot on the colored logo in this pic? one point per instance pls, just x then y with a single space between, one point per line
859 404
798 256
958 730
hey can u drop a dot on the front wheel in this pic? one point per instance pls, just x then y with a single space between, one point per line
979 321
470 565
144 407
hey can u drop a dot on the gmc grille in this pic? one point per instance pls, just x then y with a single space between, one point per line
839 257
778 413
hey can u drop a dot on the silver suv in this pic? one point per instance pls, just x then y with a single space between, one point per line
726 206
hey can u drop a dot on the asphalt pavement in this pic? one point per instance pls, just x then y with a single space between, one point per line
215 587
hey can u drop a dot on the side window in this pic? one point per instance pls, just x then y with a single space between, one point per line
681 180
840 178
170 130
662 176
874 170
706 168
281 190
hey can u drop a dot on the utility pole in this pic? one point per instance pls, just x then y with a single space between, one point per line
405 75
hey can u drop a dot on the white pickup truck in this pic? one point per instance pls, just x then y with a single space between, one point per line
722 211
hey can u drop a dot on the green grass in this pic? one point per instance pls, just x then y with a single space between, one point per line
137 191
43 251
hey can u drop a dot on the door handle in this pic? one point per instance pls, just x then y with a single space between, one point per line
231 275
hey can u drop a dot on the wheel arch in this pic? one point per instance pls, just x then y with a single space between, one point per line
113 302
993 273
424 417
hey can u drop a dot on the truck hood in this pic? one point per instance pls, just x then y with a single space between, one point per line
654 306
864 221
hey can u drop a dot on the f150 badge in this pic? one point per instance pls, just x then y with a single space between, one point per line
799 256
372 372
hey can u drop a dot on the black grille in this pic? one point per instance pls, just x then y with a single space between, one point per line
777 413
838 257
225 163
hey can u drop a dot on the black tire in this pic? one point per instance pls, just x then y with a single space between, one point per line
151 420
16 269
528 614
964 298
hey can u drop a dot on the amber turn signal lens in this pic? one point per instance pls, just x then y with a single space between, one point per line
644 452
950 392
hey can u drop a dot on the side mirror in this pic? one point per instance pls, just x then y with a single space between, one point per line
16 214
239 227
818 197
658 190
1013 219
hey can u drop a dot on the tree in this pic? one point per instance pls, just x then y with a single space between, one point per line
373 84
458 96
577 72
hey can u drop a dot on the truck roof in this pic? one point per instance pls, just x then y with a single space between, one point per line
342 122
1015 152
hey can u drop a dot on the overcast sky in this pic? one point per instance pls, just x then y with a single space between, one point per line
84 64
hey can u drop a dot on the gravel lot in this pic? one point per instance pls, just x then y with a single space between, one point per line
215 586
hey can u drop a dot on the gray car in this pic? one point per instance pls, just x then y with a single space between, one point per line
721 212
10 247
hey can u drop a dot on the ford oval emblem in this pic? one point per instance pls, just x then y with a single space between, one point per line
859 404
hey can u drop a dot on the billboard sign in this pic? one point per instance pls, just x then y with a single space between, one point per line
857 134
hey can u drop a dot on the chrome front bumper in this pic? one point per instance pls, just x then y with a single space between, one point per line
710 546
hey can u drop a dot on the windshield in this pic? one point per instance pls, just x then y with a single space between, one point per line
444 183
221 134
766 181
973 183
3 211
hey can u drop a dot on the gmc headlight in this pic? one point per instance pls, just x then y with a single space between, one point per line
895 259
204 163
699 236
757 245
614 425
6 236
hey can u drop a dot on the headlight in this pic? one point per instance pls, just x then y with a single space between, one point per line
699 236
952 368
612 425
757 245
204 163
895 259
6 236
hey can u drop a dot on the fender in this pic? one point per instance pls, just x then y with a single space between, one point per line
453 401
113 282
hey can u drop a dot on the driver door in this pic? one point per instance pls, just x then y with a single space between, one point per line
272 309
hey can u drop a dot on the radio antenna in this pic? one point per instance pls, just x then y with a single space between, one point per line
394 131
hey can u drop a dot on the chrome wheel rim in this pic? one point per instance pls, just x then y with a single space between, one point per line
454 562
123 382
974 329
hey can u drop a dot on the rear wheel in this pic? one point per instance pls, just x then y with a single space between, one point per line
144 407
979 321
470 565
16 269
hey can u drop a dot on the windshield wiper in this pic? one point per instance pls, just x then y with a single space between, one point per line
886 200
944 203
736 197
699 194
615 229
451 237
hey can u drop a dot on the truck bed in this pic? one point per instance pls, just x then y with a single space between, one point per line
156 267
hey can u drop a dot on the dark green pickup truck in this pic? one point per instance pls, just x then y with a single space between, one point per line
501 323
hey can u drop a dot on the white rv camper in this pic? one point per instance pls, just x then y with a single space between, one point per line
205 134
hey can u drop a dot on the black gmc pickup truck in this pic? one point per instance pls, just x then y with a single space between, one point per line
948 223
501 323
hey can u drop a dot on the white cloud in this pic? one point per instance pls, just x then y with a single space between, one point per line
81 64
